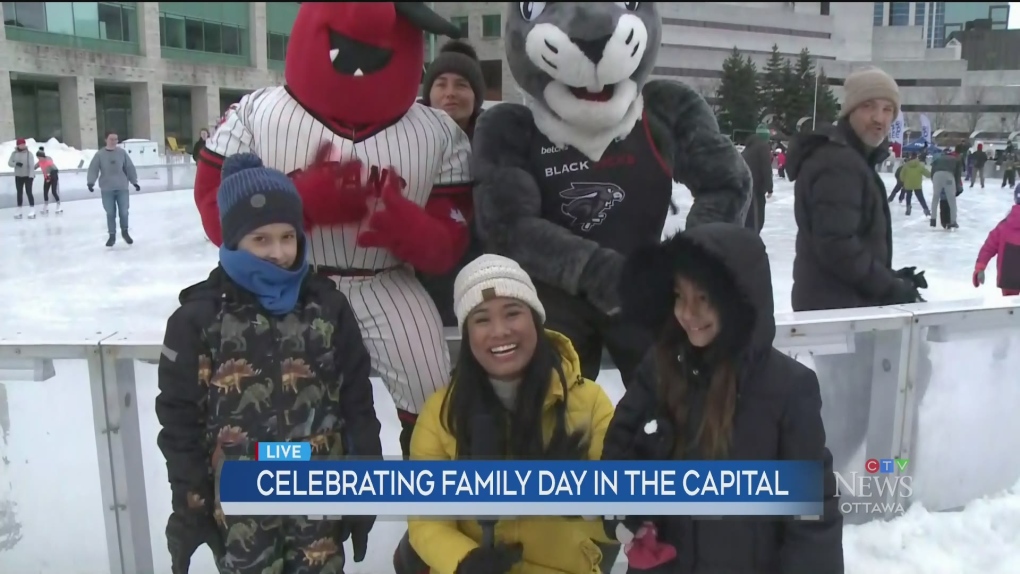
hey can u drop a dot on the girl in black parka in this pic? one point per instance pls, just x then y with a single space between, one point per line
716 388
262 350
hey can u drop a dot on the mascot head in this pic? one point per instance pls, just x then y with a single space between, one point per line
586 62
360 63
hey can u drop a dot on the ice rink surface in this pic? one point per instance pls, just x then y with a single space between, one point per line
58 279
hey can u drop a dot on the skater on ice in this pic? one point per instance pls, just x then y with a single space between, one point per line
261 311
24 164
385 181
518 393
947 183
114 170
1002 243
572 182
51 180
715 388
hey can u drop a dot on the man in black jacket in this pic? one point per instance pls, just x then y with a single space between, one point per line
844 243
758 157
980 159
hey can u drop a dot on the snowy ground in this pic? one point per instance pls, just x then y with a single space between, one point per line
60 280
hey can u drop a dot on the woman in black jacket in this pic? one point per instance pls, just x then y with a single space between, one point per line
716 388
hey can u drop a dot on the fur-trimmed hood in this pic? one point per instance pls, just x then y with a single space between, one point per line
728 260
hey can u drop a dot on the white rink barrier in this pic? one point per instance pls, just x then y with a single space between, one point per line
176 172
932 349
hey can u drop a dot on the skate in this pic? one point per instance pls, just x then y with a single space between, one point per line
45 210
908 209
126 236
111 240
953 226
59 209
31 214
932 222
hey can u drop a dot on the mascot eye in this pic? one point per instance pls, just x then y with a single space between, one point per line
632 6
532 10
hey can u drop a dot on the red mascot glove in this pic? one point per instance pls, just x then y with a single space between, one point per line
644 551
428 243
332 192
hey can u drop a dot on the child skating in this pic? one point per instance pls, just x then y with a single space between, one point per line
1003 243
262 350
51 181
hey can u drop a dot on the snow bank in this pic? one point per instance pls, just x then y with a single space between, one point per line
65 156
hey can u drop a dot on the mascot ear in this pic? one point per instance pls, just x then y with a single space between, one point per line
646 287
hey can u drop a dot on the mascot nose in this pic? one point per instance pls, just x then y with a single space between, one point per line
593 48
373 22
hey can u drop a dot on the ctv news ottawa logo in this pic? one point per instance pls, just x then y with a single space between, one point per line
881 489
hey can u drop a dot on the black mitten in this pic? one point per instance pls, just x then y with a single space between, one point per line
186 531
19 164
903 292
600 280
357 528
499 559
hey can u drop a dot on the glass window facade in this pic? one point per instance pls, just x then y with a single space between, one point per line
879 14
277 46
177 118
99 20
919 10
198 35
113 113
492 26
36 110
463 23
899 13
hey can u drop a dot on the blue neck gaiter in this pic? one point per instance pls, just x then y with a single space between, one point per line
276 288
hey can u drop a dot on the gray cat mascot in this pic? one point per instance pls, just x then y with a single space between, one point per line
575 180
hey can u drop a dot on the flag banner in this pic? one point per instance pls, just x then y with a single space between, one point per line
896 130
464 488
925 129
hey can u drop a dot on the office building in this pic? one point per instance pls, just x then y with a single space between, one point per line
907 39
152 70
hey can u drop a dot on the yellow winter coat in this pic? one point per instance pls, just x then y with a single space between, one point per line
551 545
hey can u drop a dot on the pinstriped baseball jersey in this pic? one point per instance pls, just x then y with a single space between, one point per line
425 147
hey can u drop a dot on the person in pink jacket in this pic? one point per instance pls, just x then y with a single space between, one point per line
1003 241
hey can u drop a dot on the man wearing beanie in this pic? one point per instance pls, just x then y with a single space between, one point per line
844 241
262 350
758 156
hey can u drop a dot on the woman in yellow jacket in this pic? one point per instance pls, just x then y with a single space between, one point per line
527 381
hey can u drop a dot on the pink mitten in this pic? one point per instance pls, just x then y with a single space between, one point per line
644 551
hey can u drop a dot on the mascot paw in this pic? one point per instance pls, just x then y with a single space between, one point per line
332 192
394 219
600 281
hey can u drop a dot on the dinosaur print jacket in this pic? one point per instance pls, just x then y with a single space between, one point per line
231 374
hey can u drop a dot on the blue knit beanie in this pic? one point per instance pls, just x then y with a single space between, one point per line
252 195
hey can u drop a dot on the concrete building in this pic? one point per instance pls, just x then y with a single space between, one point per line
904 38
153 70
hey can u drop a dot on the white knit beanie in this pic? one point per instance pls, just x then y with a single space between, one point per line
491 276
868 84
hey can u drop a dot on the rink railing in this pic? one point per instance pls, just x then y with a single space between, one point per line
171 174
900 337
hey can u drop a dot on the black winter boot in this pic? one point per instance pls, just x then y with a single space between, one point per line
127 238
111 240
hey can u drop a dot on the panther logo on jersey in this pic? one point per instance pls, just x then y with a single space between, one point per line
588 204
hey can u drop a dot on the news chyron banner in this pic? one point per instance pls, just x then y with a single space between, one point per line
285 482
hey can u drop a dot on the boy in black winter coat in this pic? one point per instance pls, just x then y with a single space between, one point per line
714 387
262 350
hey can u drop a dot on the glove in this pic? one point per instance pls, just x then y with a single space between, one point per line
188 530
332 192
92 188
979 277
390 218
19 164
599 280
910 273
137 187
903 292
646 553
496 560
357 528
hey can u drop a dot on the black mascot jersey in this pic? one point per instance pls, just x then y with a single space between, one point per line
620 201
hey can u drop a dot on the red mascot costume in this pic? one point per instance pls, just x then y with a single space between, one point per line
384 180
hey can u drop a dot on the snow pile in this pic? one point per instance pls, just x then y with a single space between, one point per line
981 538
65 156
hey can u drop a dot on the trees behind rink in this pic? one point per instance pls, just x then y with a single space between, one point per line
785 90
